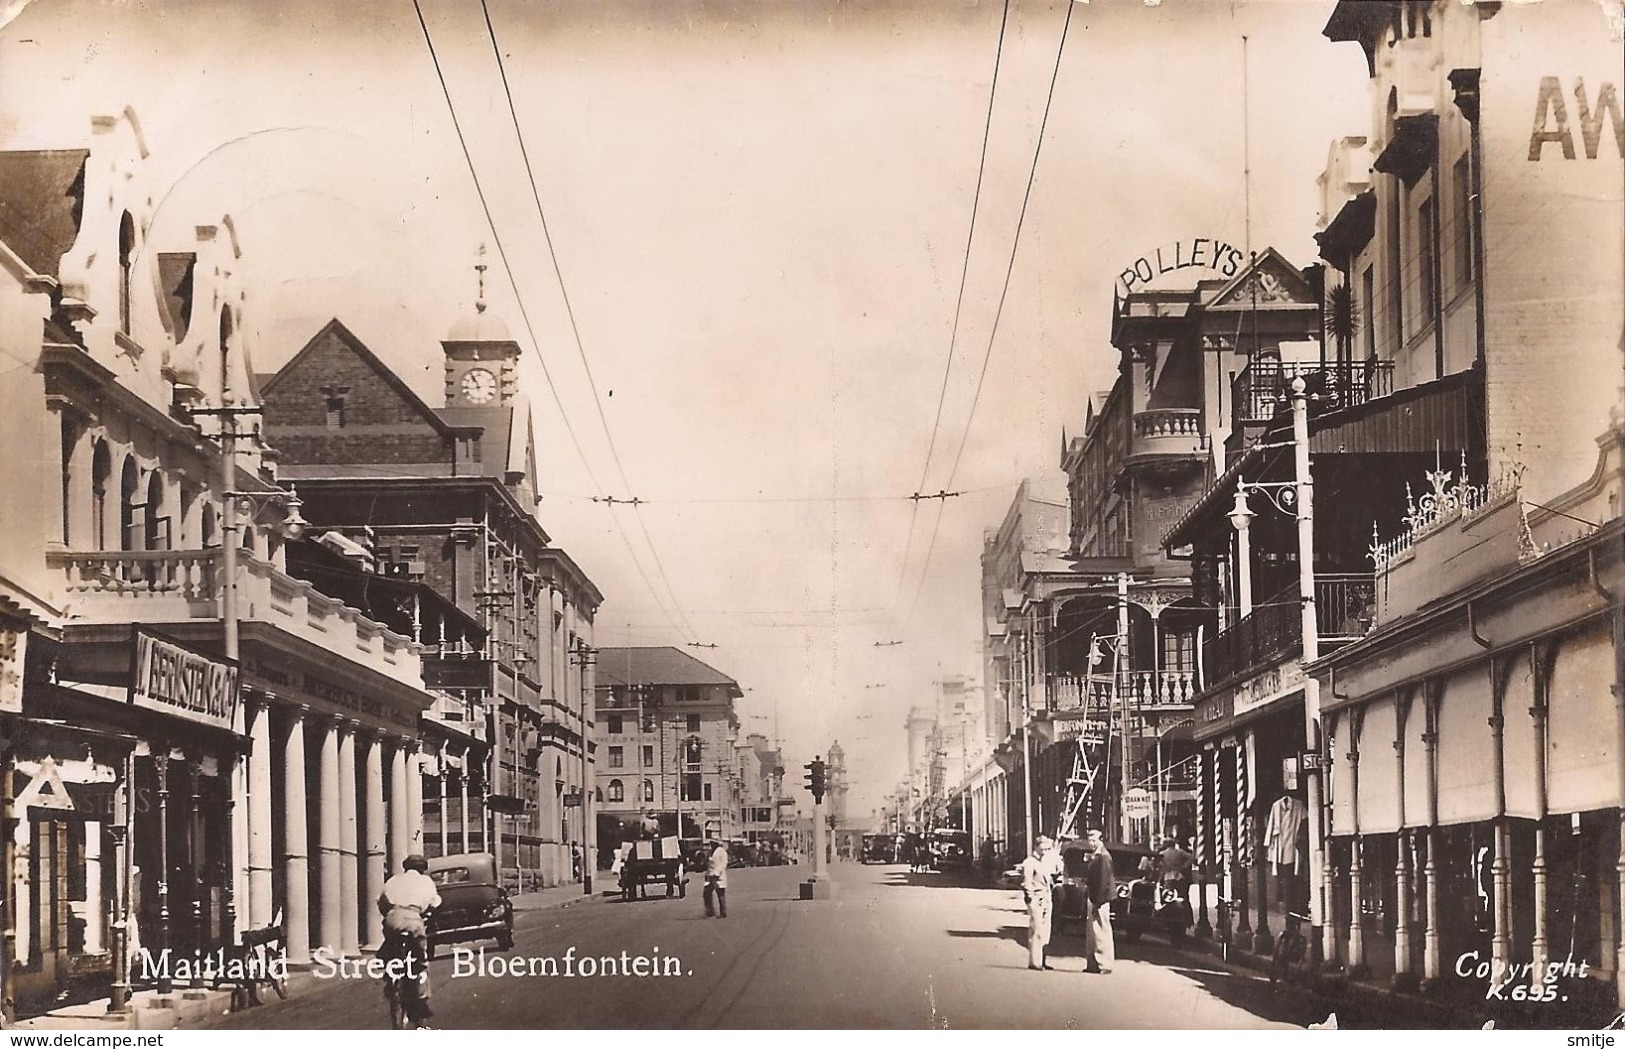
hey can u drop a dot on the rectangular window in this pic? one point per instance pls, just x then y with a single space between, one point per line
617 758
1426 259
693 723
613 725
1179 652
1396 269
707 789
1461 235
648 757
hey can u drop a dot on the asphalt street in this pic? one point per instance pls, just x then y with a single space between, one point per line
893 950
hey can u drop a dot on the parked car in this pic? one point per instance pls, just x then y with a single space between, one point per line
473 905
1140 904
951 850
879 848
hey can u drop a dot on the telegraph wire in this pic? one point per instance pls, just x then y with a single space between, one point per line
569 310
959 300
507 267
998 313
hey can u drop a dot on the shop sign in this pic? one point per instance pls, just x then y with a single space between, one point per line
1272 684
1090 730
1214 708
13 654
172 679
308 687
1207 253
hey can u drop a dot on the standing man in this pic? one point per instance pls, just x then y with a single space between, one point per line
1038 886
716 880
1101 885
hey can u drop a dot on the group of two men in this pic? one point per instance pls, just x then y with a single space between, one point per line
1042 874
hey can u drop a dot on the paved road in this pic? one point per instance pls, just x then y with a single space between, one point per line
894 950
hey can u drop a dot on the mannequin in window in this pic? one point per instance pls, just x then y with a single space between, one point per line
1282 850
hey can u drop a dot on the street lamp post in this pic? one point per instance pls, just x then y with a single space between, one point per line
292 527
586 658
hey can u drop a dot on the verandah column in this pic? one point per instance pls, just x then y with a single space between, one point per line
295 842
349 912
259 814
372 871
399 846
329 863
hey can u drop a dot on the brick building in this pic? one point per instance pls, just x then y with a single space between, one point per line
446 497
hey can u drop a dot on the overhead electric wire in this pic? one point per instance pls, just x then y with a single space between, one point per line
959 302
998 313
507 267
570 313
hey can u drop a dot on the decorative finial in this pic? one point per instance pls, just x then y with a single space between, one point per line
479 270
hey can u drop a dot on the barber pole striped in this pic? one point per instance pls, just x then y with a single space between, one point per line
1244 842
1201 809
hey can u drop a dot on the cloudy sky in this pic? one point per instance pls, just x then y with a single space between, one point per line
760 213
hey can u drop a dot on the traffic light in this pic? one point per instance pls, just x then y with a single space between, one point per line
816 778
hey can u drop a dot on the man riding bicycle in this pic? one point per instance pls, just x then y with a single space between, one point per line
405 903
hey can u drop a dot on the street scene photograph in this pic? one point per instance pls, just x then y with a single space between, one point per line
811 515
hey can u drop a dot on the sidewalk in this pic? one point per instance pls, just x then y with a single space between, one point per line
1370 1004
150 1012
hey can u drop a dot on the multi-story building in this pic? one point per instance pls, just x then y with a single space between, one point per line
194 740
445 497
1474 293
667 728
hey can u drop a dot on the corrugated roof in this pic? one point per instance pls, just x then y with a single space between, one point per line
41 204
657 666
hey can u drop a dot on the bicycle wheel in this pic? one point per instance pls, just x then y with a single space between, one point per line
279 984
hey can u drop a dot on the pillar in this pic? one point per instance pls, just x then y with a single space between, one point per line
349 880
258 904
414 799
330 864
1430 876
445 823
1356 940
295 843
1403 903
1540 952
95 906
398 833
373 865
462 811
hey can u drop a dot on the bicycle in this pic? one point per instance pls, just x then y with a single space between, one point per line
263 955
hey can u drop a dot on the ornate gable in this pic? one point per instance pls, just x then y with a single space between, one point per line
1271 282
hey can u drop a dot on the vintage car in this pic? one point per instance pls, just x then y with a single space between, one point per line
473 906
878 848
1140 903
951 850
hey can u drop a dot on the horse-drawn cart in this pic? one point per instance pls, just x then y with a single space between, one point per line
652 861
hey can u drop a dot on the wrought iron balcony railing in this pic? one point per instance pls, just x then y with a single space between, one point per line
1264 388
1345 604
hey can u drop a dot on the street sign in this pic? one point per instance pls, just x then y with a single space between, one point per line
1311 761
1137 803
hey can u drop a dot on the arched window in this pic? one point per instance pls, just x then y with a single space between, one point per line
129 481
156 523
101 471
126 271
209 526
617 790
248 538
648 790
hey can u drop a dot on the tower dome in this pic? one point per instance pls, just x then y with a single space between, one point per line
481 327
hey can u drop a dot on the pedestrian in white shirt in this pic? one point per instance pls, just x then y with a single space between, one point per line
716 881
1038 884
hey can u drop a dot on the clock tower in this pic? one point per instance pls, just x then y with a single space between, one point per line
481 359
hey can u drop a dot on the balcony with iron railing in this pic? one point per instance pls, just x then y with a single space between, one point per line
177 586
1264 388
1146 689
1273 632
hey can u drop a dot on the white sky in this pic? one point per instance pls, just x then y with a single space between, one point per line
760 211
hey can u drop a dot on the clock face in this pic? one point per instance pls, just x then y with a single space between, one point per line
479 386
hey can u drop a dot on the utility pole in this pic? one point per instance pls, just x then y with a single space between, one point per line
1314 788
1026 745
587 657
1120 679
